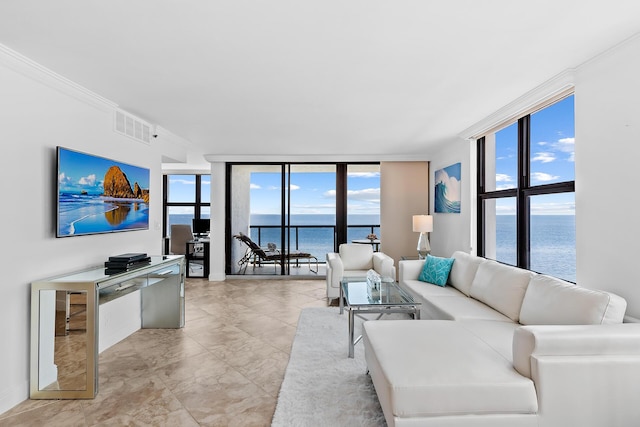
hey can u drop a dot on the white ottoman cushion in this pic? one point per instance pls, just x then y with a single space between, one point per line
438 367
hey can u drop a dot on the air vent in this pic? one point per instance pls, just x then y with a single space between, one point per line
132 127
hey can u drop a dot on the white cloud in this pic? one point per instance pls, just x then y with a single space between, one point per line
503 177
294 187
566 145
544 157
88 180
568 208
182 181
363 174
253 186
62 178
371 195
543 177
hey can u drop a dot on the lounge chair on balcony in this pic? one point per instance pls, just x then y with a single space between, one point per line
271 254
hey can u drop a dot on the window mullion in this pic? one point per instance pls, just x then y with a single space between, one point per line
523 208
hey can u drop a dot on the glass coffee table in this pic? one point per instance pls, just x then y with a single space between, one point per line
359 299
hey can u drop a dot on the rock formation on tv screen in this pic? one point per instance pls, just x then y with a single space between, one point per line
116 184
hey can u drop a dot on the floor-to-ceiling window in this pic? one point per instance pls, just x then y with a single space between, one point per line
363 201
298 207
185 197
526 191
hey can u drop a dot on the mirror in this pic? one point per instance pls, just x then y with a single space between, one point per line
63 367
64 360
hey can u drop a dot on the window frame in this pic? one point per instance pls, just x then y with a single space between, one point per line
522 192
197 204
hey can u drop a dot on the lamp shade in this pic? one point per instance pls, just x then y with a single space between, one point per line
422 223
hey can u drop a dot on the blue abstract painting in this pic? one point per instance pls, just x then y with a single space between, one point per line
447 190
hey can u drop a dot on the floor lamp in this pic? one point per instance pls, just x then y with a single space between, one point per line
423 224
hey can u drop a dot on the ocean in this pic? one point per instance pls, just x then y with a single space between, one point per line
553 239
90 213
553 244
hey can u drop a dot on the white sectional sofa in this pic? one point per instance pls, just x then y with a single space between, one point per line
502 346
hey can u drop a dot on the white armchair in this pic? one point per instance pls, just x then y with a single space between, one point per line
354 260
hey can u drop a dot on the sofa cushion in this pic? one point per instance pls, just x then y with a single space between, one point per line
425 290
436 270
550 301
501 286
497 335
356 257
458 308
449 371
463 271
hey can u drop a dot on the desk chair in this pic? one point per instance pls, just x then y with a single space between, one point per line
180 235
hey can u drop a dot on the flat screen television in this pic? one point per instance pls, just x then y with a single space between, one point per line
99 195
200 226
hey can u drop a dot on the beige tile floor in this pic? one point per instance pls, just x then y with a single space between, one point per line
224 368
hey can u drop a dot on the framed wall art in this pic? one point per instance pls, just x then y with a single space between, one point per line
447 189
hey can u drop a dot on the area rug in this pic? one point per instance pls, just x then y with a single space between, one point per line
322 386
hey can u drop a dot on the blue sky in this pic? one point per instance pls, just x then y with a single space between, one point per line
78 171
314 193
552 158
182 188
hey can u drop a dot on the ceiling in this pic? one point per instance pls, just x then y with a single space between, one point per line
314 77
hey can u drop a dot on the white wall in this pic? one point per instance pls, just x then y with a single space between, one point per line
607 164
38 113
453 232
607 152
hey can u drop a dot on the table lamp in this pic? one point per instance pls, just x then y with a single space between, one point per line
423 224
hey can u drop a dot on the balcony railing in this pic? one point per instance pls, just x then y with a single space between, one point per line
314 239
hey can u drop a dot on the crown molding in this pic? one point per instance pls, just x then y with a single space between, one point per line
550 89
312 158
33 70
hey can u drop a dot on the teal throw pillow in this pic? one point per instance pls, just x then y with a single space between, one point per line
436 270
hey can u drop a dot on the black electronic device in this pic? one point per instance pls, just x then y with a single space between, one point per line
128 257
200 227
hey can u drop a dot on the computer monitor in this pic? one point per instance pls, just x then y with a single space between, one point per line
200 227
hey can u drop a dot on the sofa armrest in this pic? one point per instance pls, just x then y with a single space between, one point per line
383 264
573 340
409 269
587 375
335 270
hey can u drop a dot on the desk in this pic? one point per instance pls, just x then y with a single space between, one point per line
375 243
198 250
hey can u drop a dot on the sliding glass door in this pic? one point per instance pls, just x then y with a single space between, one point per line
284 209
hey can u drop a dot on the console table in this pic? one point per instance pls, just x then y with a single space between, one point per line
64 341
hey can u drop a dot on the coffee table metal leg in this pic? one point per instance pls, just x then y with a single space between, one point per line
341 299
351 344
